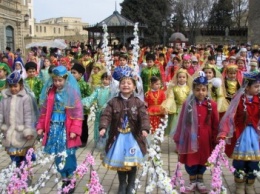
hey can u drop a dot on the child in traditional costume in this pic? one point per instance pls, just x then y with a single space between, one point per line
196 133
4 72
154 98
20 68
17 119
95 77
233 80
216 87
100 95
78 71
186 64
240 127
44 72
129 124
149 71
177 92
61 120
32 80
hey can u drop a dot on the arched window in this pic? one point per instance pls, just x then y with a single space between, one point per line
9 32
54 30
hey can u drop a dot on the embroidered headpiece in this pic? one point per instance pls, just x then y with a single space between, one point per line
202 79
5 67
59 71
14 78
121 72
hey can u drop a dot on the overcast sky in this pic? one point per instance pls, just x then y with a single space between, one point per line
91 11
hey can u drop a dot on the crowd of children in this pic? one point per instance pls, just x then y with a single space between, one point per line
207 96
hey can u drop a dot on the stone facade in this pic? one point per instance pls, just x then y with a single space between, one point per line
69 28
12 24
254 22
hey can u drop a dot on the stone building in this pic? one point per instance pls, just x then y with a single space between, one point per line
254 22
15 23
67 28
62 27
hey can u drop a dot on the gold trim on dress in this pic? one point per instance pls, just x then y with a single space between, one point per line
126 130
20 152
245 157
125 168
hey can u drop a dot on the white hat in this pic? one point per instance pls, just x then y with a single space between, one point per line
243 50
194 59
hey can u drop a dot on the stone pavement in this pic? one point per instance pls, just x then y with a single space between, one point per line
109 178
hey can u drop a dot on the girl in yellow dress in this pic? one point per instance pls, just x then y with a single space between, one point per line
233 80
216 88
96 76
177 92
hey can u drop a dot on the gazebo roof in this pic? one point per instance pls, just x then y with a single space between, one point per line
116 20
177 35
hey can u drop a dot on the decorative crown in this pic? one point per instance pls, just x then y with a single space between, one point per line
121 72
209 66
232 67
252 76
202 79
14 77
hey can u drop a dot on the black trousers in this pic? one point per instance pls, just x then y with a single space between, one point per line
84 134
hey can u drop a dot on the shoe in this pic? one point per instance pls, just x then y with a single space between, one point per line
240 188
250 189
202 188
190 188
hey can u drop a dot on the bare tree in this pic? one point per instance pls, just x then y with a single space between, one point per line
240 12
194 12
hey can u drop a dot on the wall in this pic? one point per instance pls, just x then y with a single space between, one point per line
221 39
254 22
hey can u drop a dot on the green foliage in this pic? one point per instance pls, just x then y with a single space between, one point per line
149 12
221 14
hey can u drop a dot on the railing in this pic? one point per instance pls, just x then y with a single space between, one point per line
114 24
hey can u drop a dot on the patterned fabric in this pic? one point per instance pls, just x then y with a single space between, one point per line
100 96
247 145
122 156
85 91
84 87
35 85
146 75
2 86
44 75
154 100
57 139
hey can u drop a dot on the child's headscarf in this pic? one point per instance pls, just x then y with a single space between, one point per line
70 92
227 125
187 127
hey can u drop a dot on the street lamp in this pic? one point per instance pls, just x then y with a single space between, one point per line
26 19
164 32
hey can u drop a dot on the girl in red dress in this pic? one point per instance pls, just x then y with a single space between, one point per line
240 128
154 98
196 133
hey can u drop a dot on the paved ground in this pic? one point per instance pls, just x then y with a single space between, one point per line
109 178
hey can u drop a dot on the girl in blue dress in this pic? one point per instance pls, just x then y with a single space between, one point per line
129 125
61 120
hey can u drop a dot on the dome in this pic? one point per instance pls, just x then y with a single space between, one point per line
178 36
